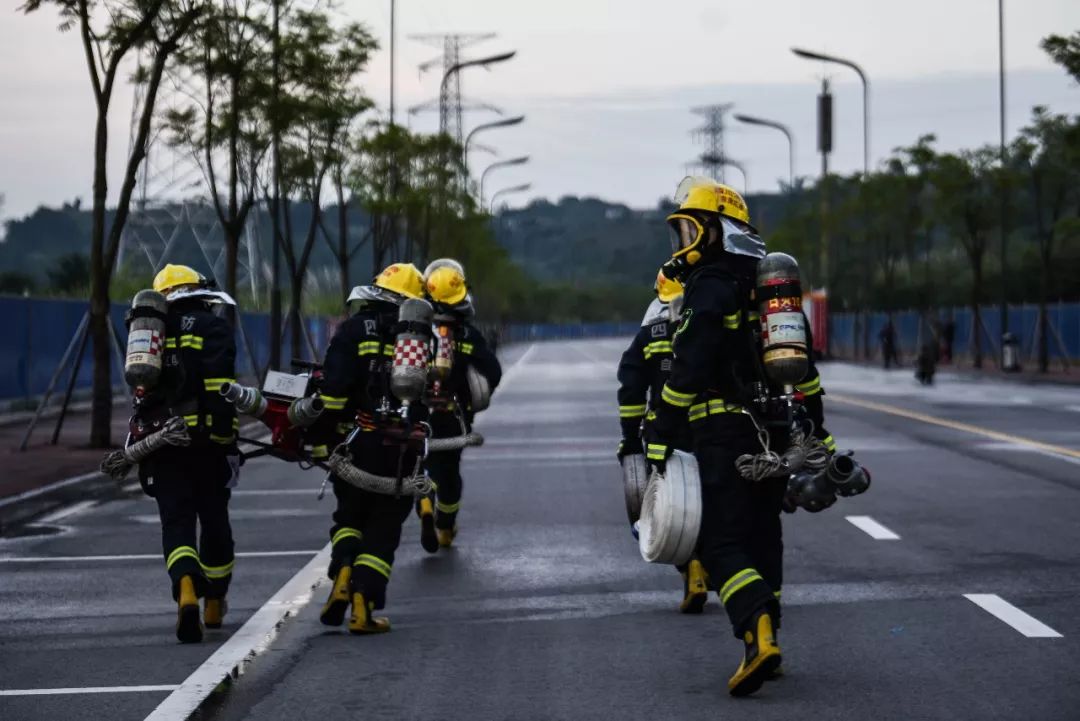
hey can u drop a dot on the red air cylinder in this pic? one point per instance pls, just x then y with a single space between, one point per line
783 325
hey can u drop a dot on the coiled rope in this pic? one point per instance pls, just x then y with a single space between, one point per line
469 440
803 451
415 484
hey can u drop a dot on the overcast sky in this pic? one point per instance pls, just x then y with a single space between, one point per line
607 86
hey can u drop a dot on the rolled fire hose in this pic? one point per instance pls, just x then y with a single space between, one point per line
671 512
117 464
469 440
341 465
635 481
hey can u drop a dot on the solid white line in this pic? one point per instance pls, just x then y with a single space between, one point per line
1024 623
65 512
313 492
248 642
87 689
142 557
872 528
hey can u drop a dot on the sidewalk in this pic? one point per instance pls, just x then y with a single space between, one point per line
29 481
1028 374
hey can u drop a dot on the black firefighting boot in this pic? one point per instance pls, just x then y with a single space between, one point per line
333 611
761 655
695 593
363 622
214 610
188 625
428 538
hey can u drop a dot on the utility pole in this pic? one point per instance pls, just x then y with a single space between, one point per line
1004 225
712 132
825 143
275 204
450 102
393 36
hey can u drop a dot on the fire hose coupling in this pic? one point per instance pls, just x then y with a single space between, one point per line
303 412
815 491
247 400
415 484
117 464
469 440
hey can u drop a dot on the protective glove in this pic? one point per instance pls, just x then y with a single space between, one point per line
629 446
657 450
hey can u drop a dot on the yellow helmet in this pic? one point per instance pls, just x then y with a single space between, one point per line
401 278
705 204
445 281
667 288
172 277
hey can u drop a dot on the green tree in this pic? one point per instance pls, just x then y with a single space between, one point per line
1065 51
69 274
109 31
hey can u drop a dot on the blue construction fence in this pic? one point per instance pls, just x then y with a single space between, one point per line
856 335
41 329
527 332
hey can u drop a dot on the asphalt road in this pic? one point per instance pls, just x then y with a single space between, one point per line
544 610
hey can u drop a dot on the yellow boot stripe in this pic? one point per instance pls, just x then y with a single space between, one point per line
373 562
218 571
180 552
343 533
737 582
632 411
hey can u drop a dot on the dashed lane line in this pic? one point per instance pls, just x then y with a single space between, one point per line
1047 448
65 512
254 637
87 689
1023 622
872 528
141 557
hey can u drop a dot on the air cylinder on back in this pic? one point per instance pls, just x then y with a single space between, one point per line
146 339
783 325
412 350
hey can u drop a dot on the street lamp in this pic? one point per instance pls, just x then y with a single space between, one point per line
457 67
811 55
506 191
751 120
500 164
488 126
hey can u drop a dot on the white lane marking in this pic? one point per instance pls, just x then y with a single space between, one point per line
1021 448
66 512
872 528
87 689
1024 623
142 557
276 492
50 487
1074 409
232 657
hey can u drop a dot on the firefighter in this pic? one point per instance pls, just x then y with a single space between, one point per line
644 367
192 484
715 255
450 396
356 393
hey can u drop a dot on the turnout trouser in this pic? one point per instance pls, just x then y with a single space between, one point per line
444 468
189 485
741 541
367 526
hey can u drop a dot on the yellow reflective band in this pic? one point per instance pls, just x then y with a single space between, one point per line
752 315
656 452
189 340
374 563
713 407
658 347
448 507
776 594
180 552
650 416
736 583
345 427
829 443
192 420
370 347
675 398
388 349
334 403
224 440
319 451
235 423
218 571
731 322
170 342
466 348
632 411
810 387
343 533
214 384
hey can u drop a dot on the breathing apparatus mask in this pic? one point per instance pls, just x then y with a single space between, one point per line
693 234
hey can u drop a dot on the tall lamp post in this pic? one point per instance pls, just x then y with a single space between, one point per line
812 55
751 120
1004 194
505 122
496 165
507 191
458 67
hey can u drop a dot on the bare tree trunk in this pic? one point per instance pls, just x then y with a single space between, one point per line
1044 321
101 404
343 238
976 316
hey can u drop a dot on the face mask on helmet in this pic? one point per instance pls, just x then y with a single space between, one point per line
741 239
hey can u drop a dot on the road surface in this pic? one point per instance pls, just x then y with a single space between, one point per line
950 591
